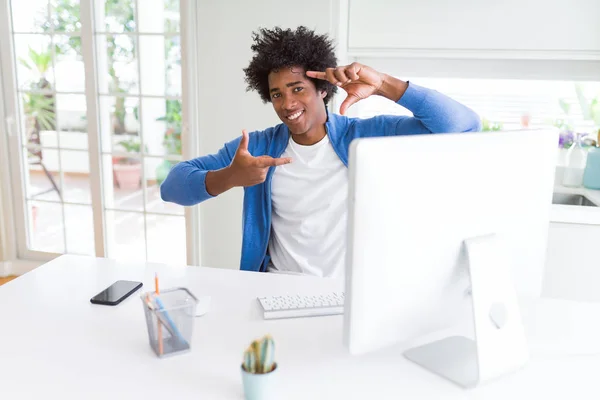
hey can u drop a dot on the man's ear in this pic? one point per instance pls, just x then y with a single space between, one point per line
323 94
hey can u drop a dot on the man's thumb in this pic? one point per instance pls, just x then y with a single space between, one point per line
350 99
244 142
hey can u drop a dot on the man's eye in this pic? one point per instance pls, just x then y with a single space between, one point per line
276 95
298 89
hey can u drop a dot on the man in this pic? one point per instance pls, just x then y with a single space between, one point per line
295 174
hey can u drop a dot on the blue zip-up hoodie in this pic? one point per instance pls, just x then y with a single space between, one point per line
186 183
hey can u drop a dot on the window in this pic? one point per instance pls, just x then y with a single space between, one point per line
100 124
573 107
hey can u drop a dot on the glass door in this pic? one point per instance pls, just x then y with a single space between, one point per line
94 101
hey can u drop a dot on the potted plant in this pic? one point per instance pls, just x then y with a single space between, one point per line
171 138
128 170
590 111
490 126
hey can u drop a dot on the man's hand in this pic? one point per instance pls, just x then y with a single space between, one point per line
360 82
247 170
244 170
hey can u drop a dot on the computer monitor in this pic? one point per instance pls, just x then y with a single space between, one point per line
440 225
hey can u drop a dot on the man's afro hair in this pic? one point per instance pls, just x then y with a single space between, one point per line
277 48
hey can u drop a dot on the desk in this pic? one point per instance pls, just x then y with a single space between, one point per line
55 344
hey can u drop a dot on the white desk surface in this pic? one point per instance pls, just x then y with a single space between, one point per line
55 343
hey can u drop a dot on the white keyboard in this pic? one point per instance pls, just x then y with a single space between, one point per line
302 306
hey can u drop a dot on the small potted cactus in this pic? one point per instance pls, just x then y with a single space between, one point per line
258 369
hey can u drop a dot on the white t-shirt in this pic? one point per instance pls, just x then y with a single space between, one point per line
308 224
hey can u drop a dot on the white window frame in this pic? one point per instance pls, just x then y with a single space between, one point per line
12 202
7 233
190 110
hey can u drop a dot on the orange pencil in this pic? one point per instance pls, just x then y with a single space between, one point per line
158 327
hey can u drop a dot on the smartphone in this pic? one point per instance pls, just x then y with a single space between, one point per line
116 293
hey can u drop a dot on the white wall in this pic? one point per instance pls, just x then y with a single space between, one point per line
512 39
224 106
527 25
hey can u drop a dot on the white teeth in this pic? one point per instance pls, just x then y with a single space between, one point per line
294 116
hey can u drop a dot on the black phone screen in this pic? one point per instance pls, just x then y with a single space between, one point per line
116 292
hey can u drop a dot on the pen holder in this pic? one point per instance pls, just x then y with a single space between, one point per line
170 320
260 386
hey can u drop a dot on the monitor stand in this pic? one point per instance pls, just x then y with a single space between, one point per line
500 345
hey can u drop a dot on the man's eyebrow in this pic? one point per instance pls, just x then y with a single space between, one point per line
287 84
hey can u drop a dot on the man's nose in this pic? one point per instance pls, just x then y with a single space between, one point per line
289 102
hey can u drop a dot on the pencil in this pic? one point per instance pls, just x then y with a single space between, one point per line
158 327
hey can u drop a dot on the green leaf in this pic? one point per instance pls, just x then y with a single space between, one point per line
41 107
130 145
25 64
583 102
487 125
595 111
566 107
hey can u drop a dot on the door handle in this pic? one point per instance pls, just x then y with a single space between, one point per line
10 126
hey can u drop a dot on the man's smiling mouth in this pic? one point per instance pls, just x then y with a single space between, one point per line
295 115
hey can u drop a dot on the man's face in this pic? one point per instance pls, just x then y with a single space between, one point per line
296 100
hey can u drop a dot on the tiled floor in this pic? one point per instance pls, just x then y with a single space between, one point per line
126 236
